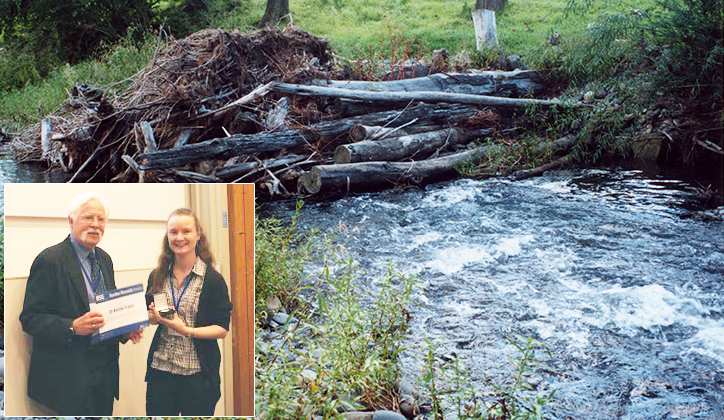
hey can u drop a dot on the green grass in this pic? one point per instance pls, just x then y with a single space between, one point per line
356 26
356 29
28 105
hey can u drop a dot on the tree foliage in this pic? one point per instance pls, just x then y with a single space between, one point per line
680 39
70 30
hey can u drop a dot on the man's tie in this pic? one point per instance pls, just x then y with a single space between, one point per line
97 282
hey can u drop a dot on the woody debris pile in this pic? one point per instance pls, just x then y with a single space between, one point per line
272 108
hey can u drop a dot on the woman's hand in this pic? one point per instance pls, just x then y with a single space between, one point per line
174 323
153 314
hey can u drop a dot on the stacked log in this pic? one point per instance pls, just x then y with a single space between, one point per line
362 176
270 141
210 108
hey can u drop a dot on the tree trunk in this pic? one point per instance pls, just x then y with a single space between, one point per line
354 177
361 95
417 146
485 32
241 144
516 83
275 10
494 5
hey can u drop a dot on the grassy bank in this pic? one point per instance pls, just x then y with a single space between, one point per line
356 29
360 29
21 107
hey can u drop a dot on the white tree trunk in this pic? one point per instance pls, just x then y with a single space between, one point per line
485 33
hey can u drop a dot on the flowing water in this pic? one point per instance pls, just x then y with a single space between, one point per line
11 171
607 268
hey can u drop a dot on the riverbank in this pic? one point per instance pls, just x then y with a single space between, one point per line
608 268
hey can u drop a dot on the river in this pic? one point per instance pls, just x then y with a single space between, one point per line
11 171
606 267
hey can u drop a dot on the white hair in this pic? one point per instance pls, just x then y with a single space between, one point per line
83 198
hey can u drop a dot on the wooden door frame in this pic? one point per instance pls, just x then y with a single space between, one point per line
241 247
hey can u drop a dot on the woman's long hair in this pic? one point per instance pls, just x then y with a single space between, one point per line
166 260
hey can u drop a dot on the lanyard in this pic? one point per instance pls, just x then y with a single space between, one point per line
94 286
187 281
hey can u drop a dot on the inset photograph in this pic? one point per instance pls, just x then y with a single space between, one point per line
129 300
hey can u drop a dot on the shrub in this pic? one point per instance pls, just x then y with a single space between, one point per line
678 42
281 254
51 32
349 358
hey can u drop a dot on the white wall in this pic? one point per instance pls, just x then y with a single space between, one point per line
36 218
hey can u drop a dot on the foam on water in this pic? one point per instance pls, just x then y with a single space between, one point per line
512 246
709 341
416 241
642 307
558 187
452 260
451 196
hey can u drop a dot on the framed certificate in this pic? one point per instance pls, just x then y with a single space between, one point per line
124 310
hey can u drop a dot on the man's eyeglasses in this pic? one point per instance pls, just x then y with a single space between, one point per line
89 218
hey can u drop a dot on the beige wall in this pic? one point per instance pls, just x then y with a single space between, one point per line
35 218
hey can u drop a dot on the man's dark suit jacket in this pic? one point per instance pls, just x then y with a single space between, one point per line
61 363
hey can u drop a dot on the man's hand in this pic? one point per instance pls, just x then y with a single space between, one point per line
136 336
88 323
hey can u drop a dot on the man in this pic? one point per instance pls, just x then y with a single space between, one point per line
71 372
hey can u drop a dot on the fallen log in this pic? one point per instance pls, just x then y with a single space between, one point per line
373 132
148 137
399 148
46 130
241 144
354 177
516 83
240 169
521 175
348 108
429 97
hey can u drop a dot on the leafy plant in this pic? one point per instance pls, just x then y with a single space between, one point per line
429 375
451 389
347 360
513 404
281 253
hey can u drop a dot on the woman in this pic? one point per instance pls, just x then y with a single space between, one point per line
183 363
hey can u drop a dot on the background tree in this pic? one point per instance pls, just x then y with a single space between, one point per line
494 5
484 22
70 30
275 10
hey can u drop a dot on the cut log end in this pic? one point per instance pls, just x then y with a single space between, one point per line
342 154
311 181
